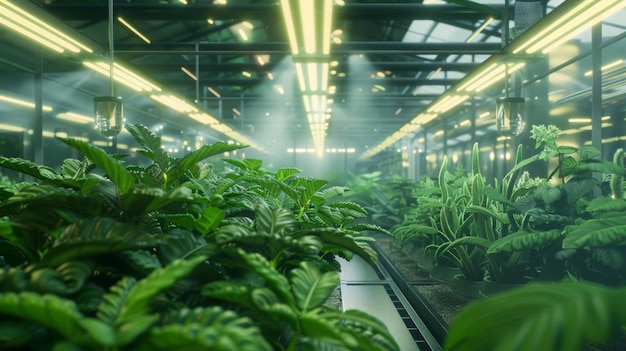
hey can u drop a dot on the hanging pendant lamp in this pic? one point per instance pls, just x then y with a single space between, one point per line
109 110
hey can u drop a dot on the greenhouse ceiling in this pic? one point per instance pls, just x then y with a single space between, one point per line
387 60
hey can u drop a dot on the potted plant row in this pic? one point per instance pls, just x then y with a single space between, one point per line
104 255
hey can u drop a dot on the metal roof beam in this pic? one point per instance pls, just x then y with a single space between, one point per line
283 48
270 11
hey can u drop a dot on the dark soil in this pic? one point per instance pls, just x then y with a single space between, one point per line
437 294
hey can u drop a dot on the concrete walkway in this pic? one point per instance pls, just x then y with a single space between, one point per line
368 289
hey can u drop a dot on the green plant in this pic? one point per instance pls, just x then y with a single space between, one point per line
541 316
123 254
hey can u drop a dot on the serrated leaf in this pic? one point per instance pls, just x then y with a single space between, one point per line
28 167
588 152
311 287
247 164
183 164
72 168
285 173
316 327
94 236
209 220
568 167
123 179
152 144
325 195
207 329
229 291
276 221
49 311
141 293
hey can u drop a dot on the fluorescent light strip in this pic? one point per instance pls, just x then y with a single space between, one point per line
569 24
204 118
23 103
188 72
479 30
606 67
326 26
28 25
214 92
174 103
123 76
291 31
307 18
575 26
242 34
11 128
75 118
134 30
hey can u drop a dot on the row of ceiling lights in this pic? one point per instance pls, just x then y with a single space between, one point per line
563 23
25 23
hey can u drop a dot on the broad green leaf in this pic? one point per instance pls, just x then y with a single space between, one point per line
30 168
588 152
323 196
286 173
276 221
91 237
99 331
73 168
152 145
191 159
68 278
315 326
182 220
246 164
229 291
501 217
602 232
358 210
604 204
205 329
275 310
140 294
560 317
49 311
141 261
601 166
566 150
274 280
568 167
309 186
112 167
355 322
209 220
337 240
495 195
524 240
311 287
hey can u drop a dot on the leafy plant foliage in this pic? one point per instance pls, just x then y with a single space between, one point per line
103 255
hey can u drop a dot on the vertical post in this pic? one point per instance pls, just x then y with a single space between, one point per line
596 93
596 86
197 73
37 155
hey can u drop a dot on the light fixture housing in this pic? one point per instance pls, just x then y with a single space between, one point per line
510 116
108 115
